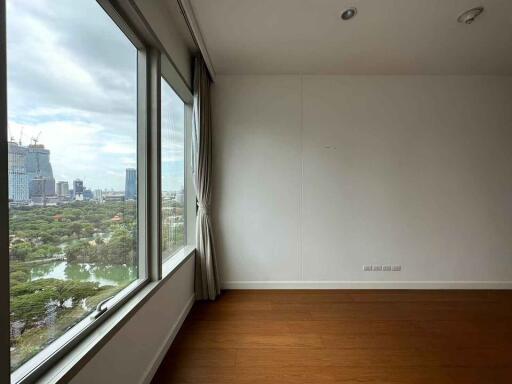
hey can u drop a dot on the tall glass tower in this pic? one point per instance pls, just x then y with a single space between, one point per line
130 186
18 179
39 171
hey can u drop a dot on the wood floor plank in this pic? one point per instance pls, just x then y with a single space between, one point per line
427 342
349 336
350 326
430 296
329 357
194 358
242 326
248 340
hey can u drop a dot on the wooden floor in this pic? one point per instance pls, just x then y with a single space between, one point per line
319 337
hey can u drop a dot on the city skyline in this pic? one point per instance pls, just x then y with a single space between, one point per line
20 147
30 162
31 179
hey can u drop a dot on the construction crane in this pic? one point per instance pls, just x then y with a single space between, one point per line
35 140
41 179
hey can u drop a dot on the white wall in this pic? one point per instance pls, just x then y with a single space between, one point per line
133 353
316 176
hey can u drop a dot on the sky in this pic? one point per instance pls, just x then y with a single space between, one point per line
72 81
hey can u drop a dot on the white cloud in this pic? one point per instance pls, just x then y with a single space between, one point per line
118 148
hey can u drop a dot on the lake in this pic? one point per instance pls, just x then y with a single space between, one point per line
103 274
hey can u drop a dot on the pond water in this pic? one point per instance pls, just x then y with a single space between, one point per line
103 274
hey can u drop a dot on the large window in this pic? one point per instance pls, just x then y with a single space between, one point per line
73 216
173 171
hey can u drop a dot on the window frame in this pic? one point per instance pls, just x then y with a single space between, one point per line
153 62
165 75
128 19
172 75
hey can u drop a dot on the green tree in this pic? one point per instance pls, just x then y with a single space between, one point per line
18 277
31 301
20 251
78 252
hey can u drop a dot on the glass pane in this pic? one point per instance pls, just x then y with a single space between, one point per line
72 119
173 171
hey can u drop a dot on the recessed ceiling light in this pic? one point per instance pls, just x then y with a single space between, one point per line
469 16
348 13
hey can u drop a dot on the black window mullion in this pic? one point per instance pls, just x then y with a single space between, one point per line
4 209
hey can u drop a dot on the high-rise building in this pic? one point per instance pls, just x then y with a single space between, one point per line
62 188
130 187
18 179
38 165
88 195
78 189
98 195
38 187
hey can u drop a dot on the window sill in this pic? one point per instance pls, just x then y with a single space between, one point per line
68 366
173 263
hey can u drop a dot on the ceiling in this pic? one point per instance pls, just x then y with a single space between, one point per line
386 37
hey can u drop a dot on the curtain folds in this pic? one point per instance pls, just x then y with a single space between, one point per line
207 284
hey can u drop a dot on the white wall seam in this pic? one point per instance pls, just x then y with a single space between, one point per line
301 195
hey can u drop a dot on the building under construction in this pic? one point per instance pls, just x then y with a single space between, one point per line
30 172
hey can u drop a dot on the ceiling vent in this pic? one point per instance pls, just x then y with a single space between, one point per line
469 16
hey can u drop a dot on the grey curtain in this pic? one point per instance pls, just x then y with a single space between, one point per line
207 276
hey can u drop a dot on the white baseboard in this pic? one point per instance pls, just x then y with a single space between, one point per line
367 285
162 351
